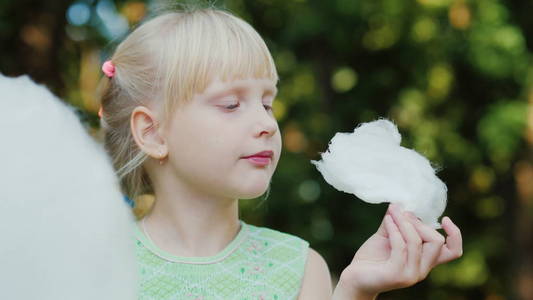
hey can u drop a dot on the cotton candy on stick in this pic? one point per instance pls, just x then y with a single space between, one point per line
371 164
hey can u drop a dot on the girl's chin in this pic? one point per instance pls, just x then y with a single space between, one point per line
253 193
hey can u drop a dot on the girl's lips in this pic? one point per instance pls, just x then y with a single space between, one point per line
259 160
266 153
262 158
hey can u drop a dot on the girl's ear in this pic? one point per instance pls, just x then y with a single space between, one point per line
146 133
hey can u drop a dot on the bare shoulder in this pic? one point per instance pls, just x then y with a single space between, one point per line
316 283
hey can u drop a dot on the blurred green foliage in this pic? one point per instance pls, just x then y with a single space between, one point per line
455 75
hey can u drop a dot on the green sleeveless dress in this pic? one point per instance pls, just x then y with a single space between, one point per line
259 264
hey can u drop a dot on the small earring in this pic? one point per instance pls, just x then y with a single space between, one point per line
161 158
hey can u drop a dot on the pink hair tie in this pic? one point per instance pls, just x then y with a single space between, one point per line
108 68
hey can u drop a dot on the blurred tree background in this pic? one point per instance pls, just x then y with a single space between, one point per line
455 75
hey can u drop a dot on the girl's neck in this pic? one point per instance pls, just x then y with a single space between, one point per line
192 225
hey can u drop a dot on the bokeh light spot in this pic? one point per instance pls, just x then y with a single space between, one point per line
382 37
482 178
440 80
293 139
280 109
78 14
309 190
343 79
134 11
490 207
321 228
459 15
424 29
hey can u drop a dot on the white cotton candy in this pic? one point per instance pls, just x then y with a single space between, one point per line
371 164
65 230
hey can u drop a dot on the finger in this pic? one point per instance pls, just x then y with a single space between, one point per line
398 255
432 246
412 240
454 242
382 230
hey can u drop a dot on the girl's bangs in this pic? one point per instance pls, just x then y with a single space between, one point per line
218 46
232 50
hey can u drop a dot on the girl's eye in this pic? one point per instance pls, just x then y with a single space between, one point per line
233 106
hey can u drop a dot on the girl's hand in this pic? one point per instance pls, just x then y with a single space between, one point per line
401 253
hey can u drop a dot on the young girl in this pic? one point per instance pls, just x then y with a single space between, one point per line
187 115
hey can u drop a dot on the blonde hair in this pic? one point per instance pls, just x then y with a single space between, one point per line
165 61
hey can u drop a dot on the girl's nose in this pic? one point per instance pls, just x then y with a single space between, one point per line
266 123
267 131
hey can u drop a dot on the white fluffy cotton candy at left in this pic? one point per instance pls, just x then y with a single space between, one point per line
371 164
65 230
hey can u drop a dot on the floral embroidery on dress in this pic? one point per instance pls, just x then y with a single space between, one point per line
260 264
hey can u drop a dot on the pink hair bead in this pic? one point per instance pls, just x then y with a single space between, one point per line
108 68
